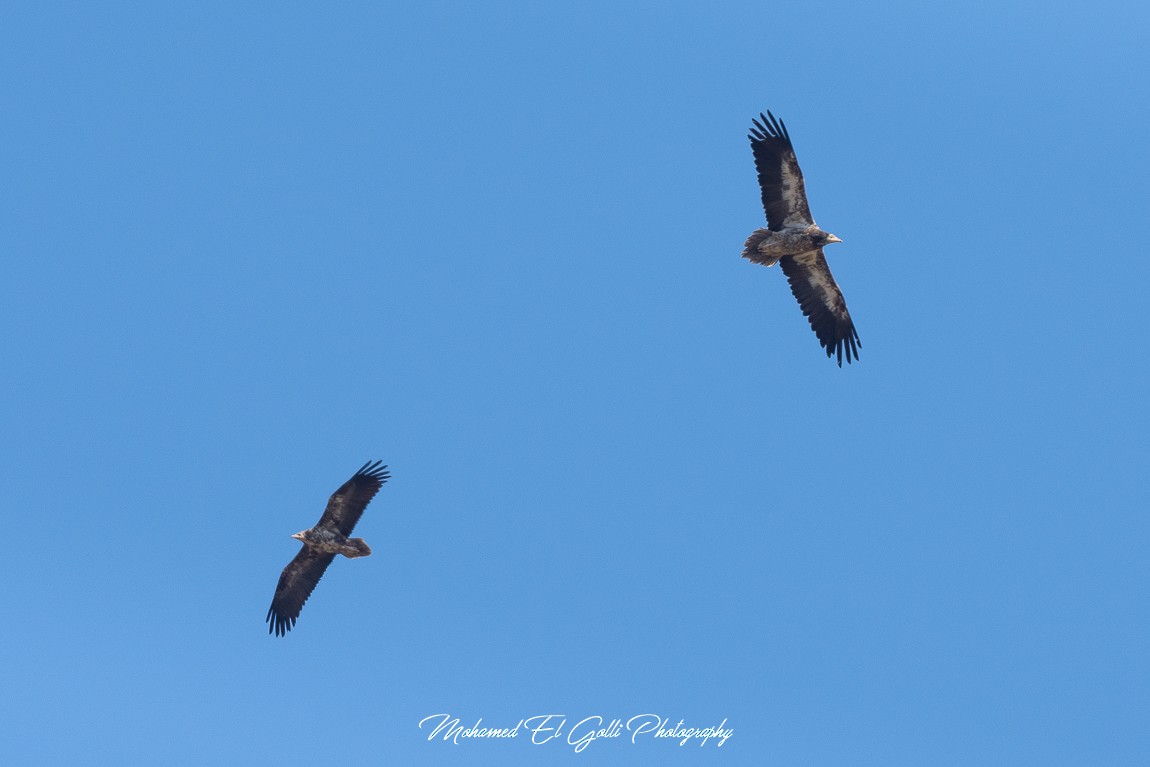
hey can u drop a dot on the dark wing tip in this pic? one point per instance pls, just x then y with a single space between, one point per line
769 128
779 126
278 624
849 343
374 470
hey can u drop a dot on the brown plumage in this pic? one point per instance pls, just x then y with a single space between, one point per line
794 241
322 543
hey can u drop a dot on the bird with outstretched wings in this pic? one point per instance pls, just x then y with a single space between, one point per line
794 241
322 543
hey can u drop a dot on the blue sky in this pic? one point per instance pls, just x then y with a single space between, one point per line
250 246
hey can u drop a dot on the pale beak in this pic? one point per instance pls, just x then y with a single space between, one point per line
832 238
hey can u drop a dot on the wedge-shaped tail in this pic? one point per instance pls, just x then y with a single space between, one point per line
751 250
356 547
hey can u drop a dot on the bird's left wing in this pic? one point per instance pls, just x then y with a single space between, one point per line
822 302
346 505
296 583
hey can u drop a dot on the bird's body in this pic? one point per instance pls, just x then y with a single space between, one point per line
766 247
322 543
793 240
327 541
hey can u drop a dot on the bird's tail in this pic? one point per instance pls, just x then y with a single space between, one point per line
356 547
751 248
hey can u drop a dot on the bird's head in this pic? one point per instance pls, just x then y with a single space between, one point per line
820 238
300 535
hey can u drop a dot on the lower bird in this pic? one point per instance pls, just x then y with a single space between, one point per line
322 543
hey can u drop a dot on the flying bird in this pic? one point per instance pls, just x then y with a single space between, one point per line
322 542
794 241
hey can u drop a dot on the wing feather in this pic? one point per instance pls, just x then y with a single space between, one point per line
823 304
781 181
346 505
296 583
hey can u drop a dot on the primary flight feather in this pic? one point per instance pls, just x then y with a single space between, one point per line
321 544
793 240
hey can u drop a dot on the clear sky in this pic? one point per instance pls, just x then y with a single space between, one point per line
249 246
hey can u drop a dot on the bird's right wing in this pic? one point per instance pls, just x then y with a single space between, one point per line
296 583
781 181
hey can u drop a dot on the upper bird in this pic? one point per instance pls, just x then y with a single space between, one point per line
322 542
794 240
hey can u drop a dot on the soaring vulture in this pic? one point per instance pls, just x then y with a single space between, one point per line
322 542
794 240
